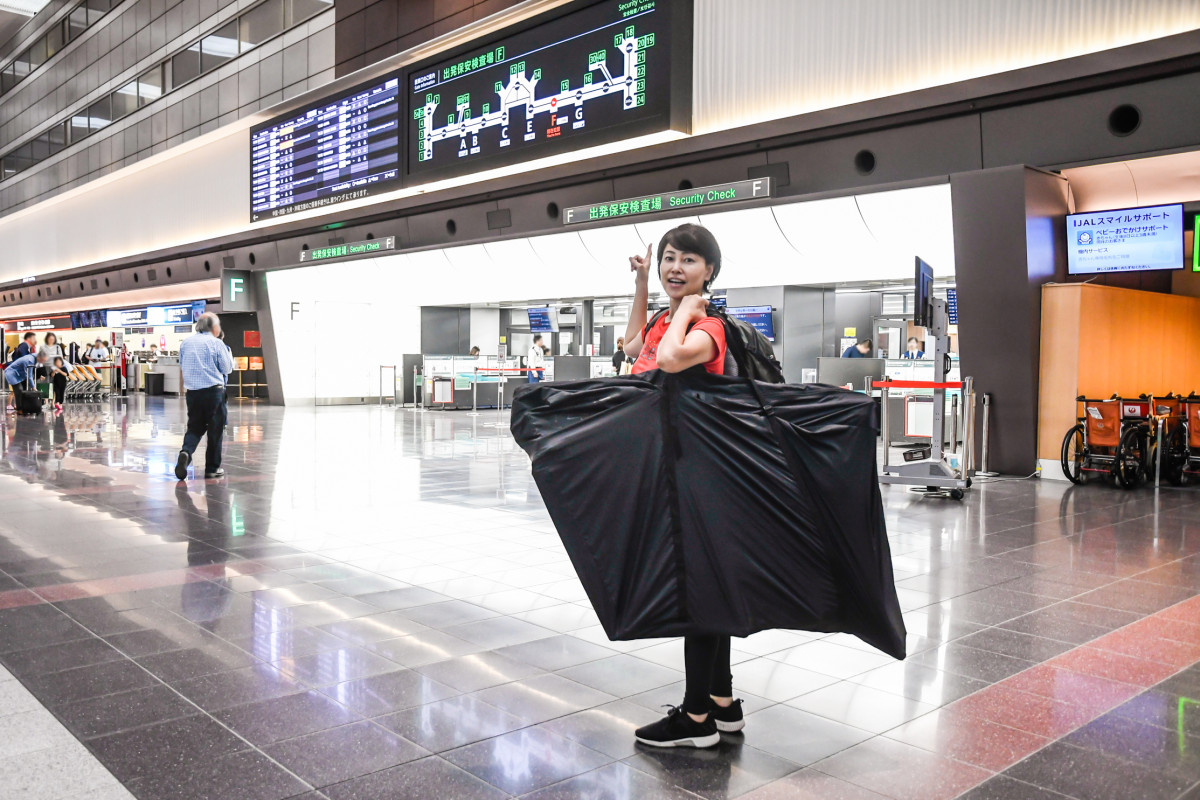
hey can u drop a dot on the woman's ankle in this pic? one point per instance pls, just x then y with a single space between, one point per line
698 717
723 702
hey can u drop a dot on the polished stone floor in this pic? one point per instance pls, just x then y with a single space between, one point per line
373 604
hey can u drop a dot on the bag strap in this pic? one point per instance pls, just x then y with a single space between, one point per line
657 316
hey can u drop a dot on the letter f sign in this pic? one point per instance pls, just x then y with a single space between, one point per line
235 286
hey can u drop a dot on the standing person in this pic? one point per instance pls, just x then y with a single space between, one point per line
58 379
205 361
860 350
537 359
52 352
683 338
28 345
914 349
98 352
619 357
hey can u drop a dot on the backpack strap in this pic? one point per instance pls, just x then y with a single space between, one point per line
657 316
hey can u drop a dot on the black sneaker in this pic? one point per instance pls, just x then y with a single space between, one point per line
677 729
217 473
181 465
729 719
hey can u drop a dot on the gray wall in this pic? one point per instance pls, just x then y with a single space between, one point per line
445 331
1008 242
802 327
855 310
124 43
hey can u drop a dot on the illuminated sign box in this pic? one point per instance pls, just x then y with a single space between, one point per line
365 248
339 149
1125 240
584 74
670 201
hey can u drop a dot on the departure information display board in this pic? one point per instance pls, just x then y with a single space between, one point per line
340 149
598 73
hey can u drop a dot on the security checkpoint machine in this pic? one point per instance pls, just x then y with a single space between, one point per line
931 467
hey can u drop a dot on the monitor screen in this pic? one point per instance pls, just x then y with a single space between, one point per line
198 307
97 319
595 73
923 299
718 301
341 148
761 317
75 319
543 320
1125 240
1196 243
952 305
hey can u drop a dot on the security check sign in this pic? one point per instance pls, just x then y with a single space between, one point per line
688 199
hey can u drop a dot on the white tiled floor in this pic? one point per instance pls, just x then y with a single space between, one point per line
40 759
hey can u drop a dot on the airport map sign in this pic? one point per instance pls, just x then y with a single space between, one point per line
365 248
340 149
687 200
594 74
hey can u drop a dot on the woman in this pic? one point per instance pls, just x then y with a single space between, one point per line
58 376
686 338
914 349
619 357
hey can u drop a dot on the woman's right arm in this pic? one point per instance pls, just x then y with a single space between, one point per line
641 295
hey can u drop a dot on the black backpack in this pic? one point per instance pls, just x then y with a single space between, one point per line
747 352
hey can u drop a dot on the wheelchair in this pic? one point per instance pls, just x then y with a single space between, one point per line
1181 456
1111 439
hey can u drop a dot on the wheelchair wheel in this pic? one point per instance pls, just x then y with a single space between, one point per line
1072 454
1131 459
1175 457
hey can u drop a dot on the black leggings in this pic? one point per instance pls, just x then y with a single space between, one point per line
706 663
60 386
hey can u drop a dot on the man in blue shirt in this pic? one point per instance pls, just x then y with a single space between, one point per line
28 345
860 350
205 362
16 373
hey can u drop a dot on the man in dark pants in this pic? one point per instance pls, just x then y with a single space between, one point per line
205 362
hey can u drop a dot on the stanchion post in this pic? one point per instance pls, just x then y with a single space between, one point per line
474 393
954 423
1158 454
967 460
885 427
987 415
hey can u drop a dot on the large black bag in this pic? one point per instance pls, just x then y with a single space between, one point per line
27 401
743 506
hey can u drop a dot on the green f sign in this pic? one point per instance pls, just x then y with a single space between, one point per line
237 291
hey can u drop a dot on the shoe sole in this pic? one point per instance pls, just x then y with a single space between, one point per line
698 742
181 465
730 727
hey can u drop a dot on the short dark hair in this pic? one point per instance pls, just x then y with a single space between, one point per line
537 337
867 342
31 333
689 238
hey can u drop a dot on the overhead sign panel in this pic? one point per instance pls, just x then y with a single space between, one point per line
1125 240
340 149
585 74
670 201
350 250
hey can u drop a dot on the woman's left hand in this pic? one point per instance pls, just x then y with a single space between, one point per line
693 307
